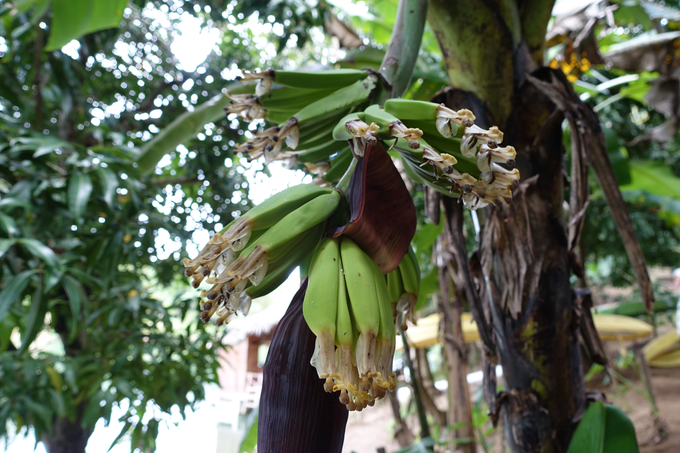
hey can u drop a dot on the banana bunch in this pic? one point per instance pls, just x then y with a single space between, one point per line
347 306
465 156
260 249
403 286
304 107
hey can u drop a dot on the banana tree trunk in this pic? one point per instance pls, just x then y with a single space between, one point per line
523 264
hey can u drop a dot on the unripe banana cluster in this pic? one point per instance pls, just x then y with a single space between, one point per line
260 249
475 163
352 311
304 106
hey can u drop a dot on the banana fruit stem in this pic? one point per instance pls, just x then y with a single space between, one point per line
400 59
343 184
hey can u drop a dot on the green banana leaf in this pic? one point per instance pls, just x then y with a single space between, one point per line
604 429
653 177
638 308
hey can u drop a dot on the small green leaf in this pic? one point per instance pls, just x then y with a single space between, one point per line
8 224
109 183
427 236
619 432
57 403
92 411
79 190
604 429
5 244
653 177
40 250
70 19
589 435
13 290
427 286
106 14
76 296
36 318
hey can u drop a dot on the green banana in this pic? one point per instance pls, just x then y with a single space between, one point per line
344 342
384 378
374 114
321 152
395 288
336 78
311 121
252 263
343 98
236 235
363 297
339 165
407 109
279 270
409 271
287 98
320 307
333 78
340 131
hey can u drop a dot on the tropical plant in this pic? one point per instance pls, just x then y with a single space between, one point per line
89 219
517 283
352 128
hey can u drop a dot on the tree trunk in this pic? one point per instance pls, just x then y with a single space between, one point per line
66 437
522 268
460 407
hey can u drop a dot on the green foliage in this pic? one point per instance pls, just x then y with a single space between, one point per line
87 237
249 440
604 429
607 259
73 18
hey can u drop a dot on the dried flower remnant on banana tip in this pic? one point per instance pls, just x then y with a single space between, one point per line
245 105
265 80
228 274
411 135
496 182
362 134
269 142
